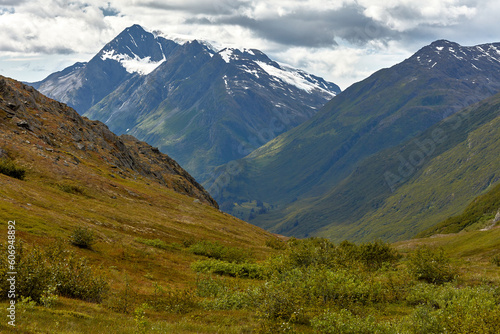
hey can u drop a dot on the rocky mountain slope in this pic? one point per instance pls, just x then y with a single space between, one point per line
59 171
312 163
65 140
201 106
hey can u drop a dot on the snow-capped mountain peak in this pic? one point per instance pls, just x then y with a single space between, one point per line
281 76
142 66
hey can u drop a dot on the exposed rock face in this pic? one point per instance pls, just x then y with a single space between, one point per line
54 128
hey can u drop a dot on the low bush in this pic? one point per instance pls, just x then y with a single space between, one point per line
173 300
82 237
56 271
281 301
424 321
208 286
275 243
496 260
219 294
374 254
7 167
322 252
212 266
471 310
71 189
431 265
465 310
216 250
344 322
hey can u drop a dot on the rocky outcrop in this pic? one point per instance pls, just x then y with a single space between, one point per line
59 128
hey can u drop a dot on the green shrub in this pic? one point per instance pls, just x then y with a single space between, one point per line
230 300
322 252
305 253
49 296
280 301
464 310
496 260
41 274
7 167
431 266
215 250
374 254
173 300
344 322
266 327
34 274
275 243
425 321
76 279
425 294
82 237
471 310
212 266
71 189
208 286
220 295
141 322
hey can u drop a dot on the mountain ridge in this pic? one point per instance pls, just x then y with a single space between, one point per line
202 107
386 109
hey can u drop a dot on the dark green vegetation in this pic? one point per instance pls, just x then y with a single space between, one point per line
483 212
382 159
7 167
82 237
53 271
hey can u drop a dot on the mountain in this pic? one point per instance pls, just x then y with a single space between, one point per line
60 171
201 106
309 179
402 191
65 139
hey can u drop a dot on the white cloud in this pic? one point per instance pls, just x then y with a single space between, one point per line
342 41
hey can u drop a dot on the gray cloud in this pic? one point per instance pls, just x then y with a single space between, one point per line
109 11
311 28
195 7
11 2
347 39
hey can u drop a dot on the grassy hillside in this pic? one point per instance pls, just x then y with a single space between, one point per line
62 175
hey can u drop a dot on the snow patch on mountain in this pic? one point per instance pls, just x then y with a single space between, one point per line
294 77
227 54
142 66
183 39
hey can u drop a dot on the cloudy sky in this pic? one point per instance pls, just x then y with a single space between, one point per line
342 41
